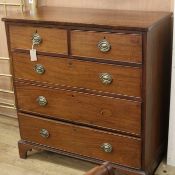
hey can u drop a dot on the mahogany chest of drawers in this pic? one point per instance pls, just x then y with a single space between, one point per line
99 88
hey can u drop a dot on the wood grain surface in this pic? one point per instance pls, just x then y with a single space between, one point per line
82 140
53 40
83 108
81 74
53 163
157 79
119 19
124 47
145 5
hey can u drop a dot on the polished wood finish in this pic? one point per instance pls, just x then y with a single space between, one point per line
162 5
23 149
55 164
118 168
81 74
89 109
157 72
69 138
151 78
124 47
96 18
53 40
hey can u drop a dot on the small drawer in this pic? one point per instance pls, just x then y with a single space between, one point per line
49 40
80 74
82 140
111 46
104 112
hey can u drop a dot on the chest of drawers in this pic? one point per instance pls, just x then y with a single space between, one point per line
99 89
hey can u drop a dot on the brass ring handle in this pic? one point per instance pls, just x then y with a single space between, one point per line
36 39
106 78
39 69
106 147
42 101
44 133
104 45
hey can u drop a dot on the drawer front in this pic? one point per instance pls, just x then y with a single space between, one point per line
94 110
88 75
117 47
52 40
82 140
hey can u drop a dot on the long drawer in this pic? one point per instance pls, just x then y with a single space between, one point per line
51 40
82 74
82 140
89 109
111 46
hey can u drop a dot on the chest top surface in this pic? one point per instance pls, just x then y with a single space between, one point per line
113 19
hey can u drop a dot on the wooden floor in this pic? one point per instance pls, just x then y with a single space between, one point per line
43 163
